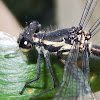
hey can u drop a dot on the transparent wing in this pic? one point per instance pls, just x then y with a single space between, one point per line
66 87
85 91
95 28
87 13
76 79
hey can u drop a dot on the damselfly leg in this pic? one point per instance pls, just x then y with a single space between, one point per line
52 76
38 74
76 78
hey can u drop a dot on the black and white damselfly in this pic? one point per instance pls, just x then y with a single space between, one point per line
76 78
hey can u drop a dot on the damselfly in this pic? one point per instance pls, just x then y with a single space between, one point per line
76 83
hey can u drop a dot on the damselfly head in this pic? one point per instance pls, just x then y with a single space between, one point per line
24 44
25 39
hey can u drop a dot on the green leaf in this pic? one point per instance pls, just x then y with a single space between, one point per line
16 70
95 73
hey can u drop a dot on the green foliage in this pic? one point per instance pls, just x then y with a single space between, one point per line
95 73
15 71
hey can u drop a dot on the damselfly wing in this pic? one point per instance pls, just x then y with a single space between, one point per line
76 83
76 78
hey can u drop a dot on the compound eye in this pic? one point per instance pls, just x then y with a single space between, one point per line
25 45
35 26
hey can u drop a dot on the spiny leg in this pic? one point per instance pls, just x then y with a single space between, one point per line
38 74
52 76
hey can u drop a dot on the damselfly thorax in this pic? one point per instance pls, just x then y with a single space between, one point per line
73 41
